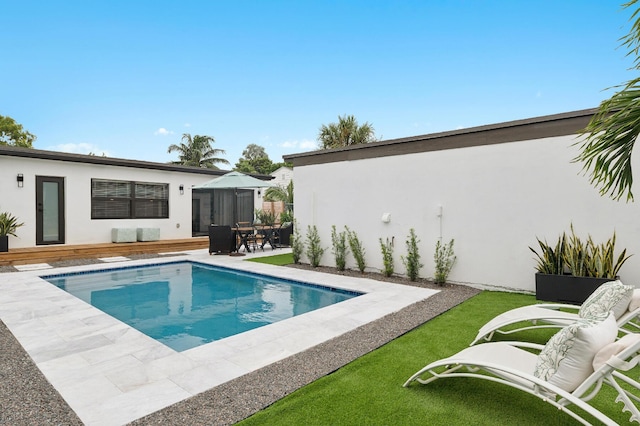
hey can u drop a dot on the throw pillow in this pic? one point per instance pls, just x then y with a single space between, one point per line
614 348
566 360
610 296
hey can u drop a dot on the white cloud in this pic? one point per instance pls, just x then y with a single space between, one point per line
187 124
539 94
163 132
307 144
80 148
304 144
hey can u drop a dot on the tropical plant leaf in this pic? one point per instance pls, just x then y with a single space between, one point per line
611 134
9 224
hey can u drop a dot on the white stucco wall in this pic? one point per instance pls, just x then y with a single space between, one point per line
80 229
495 200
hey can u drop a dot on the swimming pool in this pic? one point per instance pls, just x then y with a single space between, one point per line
187 304
111 374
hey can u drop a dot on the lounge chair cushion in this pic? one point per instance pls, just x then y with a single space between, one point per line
610 296
635 300
566 360
614 348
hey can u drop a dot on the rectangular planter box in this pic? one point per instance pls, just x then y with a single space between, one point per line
148 234
566 288
123 235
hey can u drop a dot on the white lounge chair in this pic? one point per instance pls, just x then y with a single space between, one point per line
568 383
614 296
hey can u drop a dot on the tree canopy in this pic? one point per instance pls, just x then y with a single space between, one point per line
197 151
612 132
345 132
12 133
256 160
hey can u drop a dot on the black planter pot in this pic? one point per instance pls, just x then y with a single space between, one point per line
566 288
4 243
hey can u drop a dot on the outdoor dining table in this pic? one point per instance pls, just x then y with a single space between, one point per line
243 233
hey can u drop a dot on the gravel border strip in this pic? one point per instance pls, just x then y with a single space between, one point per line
28 398
240 398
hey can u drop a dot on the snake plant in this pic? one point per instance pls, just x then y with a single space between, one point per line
583 259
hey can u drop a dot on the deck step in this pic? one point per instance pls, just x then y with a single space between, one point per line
54 253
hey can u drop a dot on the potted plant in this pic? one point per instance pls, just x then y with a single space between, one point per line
8 226
286 216
265 217
572 269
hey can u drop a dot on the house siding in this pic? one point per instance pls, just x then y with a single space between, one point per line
77 171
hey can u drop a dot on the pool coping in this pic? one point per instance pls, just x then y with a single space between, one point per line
111 374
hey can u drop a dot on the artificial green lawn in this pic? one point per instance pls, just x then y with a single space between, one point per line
278 259
369 390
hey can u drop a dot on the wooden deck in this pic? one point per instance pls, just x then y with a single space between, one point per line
54 253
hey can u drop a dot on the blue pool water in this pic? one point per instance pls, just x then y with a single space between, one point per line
187 304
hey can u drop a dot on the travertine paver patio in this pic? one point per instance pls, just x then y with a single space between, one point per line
111 374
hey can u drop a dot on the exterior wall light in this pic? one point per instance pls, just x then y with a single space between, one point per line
181 189
20 180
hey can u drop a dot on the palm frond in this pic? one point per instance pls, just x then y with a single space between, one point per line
345 132
613 130
610 138
196 151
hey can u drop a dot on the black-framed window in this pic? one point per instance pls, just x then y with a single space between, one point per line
120 199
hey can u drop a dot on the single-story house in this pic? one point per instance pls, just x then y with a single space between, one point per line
282 176
67 198
493 189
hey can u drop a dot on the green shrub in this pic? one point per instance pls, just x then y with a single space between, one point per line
444 258
412 261
297 244
314 249
340 248
387 257
286 216
356 249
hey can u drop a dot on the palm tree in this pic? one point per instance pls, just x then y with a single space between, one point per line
197 152
345 132
280 193
612 131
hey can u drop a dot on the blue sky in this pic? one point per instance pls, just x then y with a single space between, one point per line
128 78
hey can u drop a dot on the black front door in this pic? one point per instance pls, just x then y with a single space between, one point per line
49 210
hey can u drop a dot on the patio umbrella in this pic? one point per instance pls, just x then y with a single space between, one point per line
234 180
